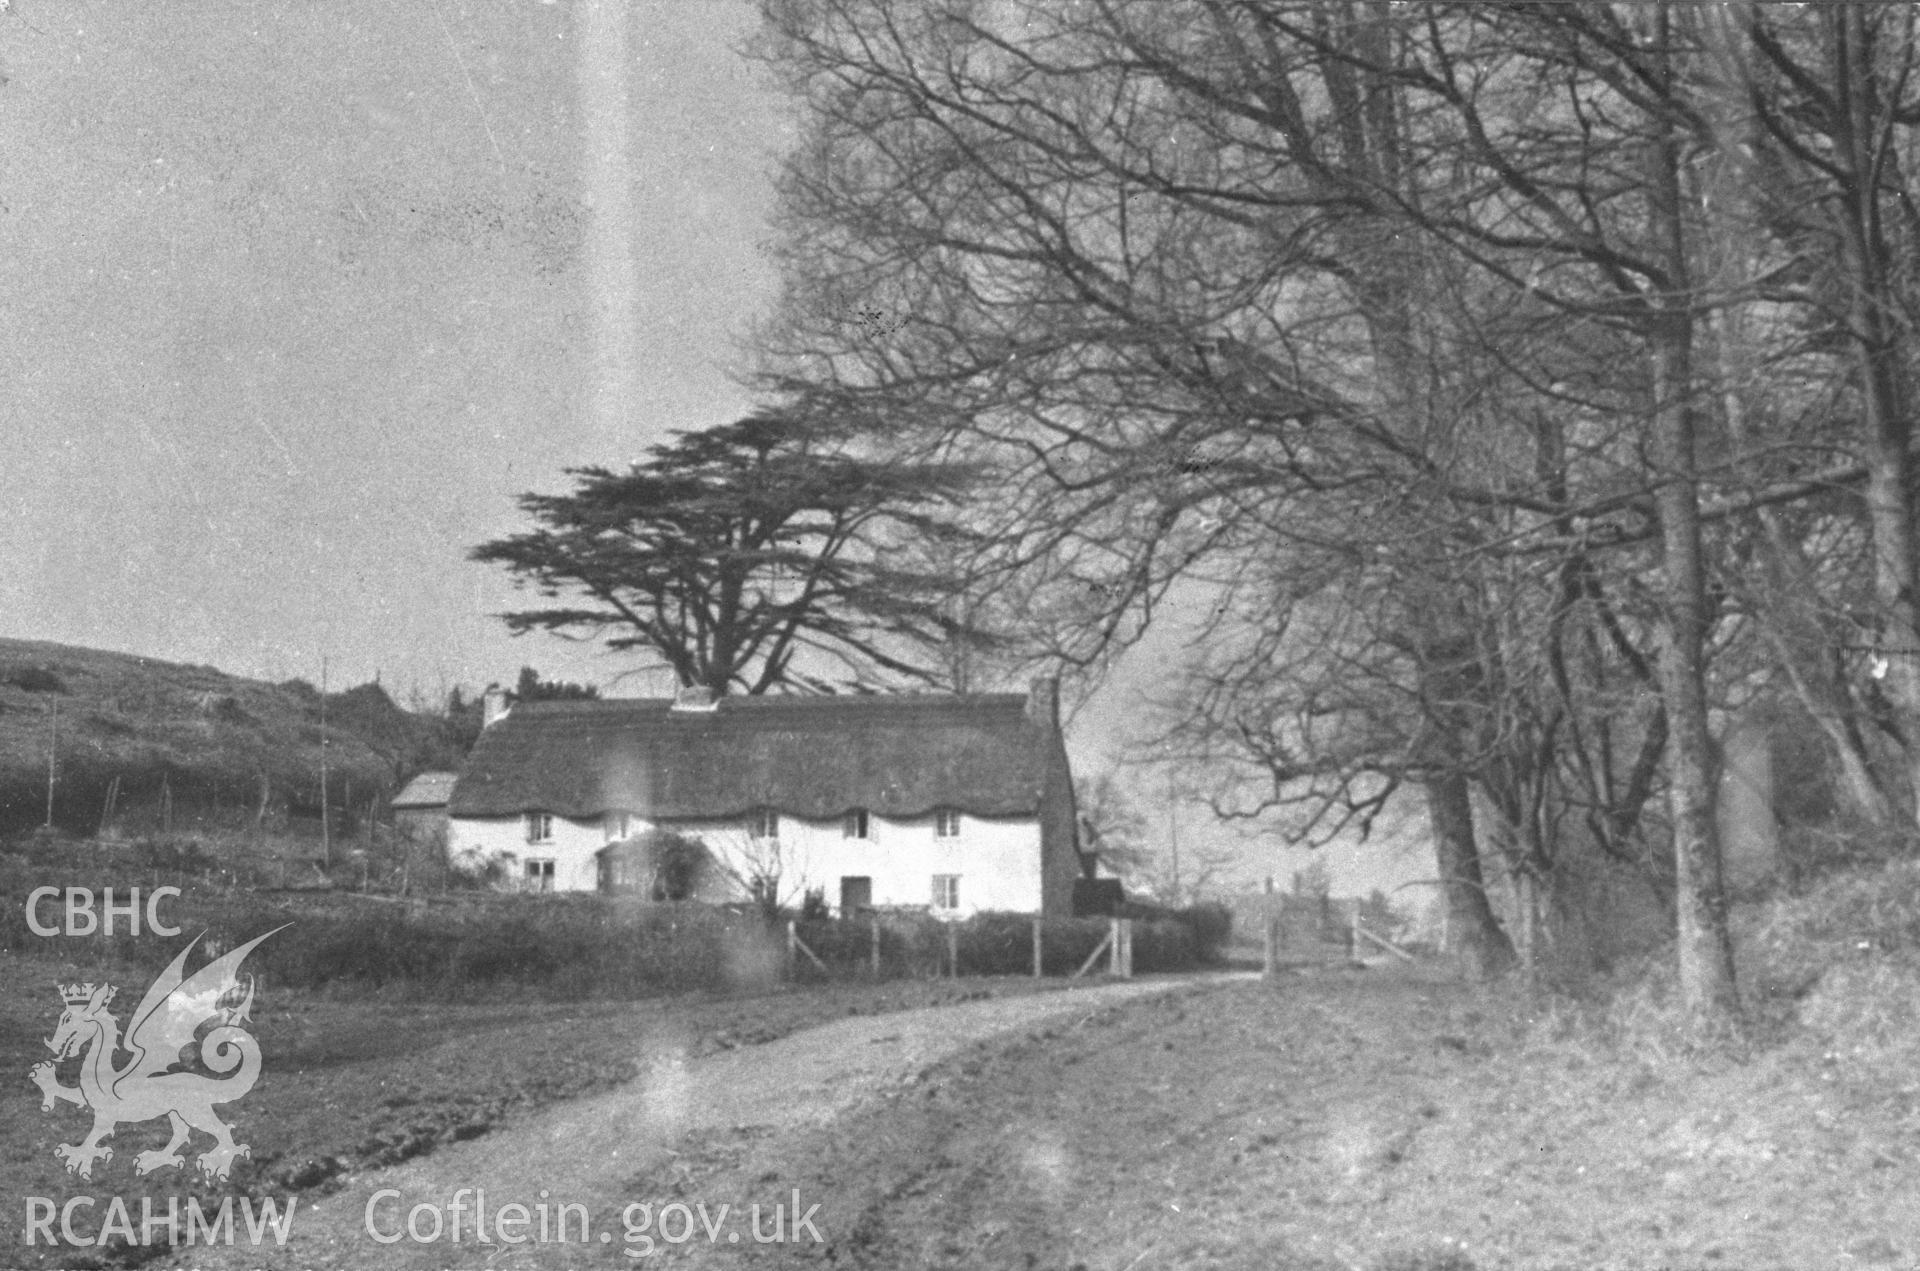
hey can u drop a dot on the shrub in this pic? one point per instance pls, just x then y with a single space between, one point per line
996 944
1835 968
1814 851
560 947
477 870
1207 925
1789 943
1212 927
680 863
36 679
564 946
173 855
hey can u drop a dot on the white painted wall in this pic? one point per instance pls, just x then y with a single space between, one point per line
571 849
997 860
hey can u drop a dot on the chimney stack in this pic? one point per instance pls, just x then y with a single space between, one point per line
696 697
494 705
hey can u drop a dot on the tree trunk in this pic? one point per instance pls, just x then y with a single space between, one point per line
1869 271
1706 950
1705 947
1474 931
1788 617
1700 889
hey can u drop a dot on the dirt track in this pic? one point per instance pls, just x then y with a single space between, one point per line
591 1152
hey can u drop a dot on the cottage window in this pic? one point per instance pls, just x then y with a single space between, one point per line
766 824
946 891
616 874
856 826
539 827
946 824
540 875
619 826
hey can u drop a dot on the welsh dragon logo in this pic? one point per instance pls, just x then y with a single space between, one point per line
207 1007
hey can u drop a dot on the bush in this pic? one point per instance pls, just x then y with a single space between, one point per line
36 679
1835 969
1212 927
1788 944
564 946
173 855
1812 852
680 863
561 947
1208 926
587 946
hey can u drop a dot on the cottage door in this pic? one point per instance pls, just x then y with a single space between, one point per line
855 894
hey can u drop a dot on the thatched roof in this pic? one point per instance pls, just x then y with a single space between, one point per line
428 790
811 757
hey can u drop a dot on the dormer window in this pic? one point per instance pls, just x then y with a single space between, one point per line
766 824
856 825
539 827
946 823
619 826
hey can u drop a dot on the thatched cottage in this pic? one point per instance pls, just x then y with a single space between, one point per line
955 803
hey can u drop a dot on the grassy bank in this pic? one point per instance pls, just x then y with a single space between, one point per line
159 747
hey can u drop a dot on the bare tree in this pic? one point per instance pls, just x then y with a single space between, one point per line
1832 90
1112 826
768 870
1411 336
1127 299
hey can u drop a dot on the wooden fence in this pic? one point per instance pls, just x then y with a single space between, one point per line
1116 946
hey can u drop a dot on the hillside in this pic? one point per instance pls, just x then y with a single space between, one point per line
160 746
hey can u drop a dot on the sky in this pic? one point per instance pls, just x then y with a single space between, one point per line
297 297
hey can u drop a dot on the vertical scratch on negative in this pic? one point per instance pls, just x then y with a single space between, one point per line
479 107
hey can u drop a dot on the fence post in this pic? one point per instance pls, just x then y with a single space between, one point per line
953 950
1126 936
1113 953
1036 949
1353 935
793 948
876 947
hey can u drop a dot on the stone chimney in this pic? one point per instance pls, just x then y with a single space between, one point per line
1043 703
494 705
696 697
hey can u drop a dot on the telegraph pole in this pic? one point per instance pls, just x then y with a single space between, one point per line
1173 835
53 747
326 834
